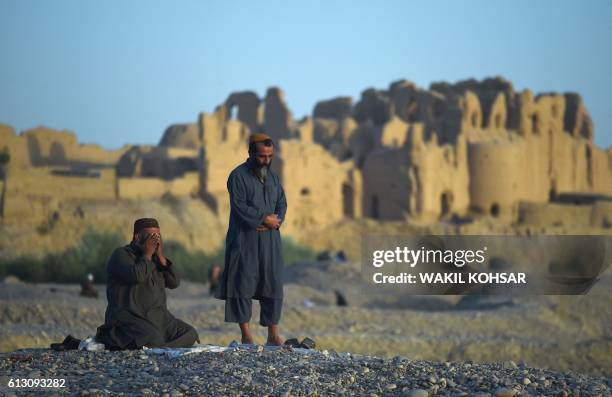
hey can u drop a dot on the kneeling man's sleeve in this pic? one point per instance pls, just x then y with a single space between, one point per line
121 266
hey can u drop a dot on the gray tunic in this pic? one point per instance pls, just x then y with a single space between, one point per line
136 314
253 260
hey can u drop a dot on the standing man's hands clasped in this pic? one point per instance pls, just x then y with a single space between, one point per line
270 222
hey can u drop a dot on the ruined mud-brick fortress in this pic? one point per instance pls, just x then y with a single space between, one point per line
451 152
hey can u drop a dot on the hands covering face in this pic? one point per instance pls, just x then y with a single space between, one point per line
151 244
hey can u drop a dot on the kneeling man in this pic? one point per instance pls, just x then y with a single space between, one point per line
137 276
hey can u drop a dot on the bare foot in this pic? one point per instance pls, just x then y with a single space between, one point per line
245 330
274 341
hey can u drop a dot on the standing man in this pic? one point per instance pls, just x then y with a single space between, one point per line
137 314
253 251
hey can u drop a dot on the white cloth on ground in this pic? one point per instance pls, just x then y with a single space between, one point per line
90 344
181 351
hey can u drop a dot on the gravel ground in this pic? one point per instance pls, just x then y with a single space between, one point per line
448 346
562 333
260 372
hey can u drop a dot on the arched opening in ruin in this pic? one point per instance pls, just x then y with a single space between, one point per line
348 200
150 173
534 123
438 109
5 158
233 112
57 154
412 112
474 120
374 209
494 210
185 164
554 111
305 192
446 203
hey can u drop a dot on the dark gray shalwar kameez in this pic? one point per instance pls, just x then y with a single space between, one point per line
137 314
253 260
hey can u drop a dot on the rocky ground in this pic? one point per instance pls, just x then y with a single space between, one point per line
451 344
263 372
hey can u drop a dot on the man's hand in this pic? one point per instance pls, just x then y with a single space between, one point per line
150 245
159 252
272 222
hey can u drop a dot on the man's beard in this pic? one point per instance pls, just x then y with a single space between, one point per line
262 172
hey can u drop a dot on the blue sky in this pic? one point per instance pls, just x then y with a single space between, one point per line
120 72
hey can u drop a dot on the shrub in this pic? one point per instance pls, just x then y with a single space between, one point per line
93 251
293 252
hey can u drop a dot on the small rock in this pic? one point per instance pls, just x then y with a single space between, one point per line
509 365
391 386
11 280
526 381
505 393
417 393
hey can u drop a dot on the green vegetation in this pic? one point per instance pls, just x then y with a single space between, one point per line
293 252
93 251
72 265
